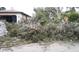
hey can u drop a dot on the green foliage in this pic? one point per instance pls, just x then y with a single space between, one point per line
48 14
13 38
73 16
13 29
54 12
41 15
49 30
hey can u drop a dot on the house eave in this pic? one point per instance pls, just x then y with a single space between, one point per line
15 12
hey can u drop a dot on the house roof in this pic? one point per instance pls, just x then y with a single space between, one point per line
9 11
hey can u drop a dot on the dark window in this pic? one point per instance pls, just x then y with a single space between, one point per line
11 18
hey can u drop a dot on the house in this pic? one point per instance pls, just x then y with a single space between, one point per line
14 16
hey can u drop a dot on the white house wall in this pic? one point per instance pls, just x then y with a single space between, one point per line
19 17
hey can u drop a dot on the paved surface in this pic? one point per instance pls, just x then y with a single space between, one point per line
53 47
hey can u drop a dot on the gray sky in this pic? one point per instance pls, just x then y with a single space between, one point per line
28 5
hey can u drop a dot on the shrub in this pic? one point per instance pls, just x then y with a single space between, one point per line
46 33
73 16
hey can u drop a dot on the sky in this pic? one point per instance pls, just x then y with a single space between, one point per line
27 6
